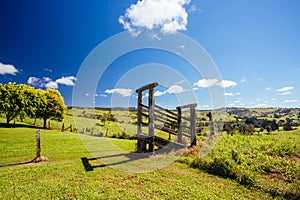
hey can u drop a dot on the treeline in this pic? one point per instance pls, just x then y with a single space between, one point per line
21 100
253 124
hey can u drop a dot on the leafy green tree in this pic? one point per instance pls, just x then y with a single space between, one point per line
50 105
15 100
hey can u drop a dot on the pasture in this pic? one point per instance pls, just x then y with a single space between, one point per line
64 176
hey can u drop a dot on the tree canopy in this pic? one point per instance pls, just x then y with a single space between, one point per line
20 100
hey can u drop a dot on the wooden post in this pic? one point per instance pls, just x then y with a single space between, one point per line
211 125
139 114
71 130
151 118
38 144
63 127
179 134
49 124
193 125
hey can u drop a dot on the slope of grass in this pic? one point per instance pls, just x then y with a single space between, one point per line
64 177
268 162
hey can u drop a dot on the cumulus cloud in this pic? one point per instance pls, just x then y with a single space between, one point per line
229 94
49 83
121 91
205 83
52 85
285 89
227 83
8 69
165 15
175 89
34 81
291 101
268 88
286 93
69 80
159 93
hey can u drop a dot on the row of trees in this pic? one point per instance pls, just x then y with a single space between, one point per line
252 124
21 100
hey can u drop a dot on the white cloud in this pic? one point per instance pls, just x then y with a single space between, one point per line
268 88
291 101
243 80
261 105
159 93
48 83
193 8
195 88
227 83
122 91
69 80
229 94
205 83
48 70
237 101
165 15
175 89
52 85
8 69
285 89
274 99
34 81
286 93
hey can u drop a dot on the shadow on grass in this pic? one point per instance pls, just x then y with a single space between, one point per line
131 157
17 164
17 125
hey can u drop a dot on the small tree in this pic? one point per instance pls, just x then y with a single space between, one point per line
15 100
50 106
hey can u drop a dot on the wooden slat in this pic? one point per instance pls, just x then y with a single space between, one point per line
168 111
165 114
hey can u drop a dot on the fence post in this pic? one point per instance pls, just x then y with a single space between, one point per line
193 125
38 144
151 118
179 134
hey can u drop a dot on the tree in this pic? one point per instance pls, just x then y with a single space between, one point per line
287 126
15 100
50 106
274 125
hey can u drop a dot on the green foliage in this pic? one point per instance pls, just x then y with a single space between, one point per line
52 106
20 100
252 159
16 100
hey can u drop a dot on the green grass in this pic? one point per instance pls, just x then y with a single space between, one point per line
268 162
64 177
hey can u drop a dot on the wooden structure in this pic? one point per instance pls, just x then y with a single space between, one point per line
165 120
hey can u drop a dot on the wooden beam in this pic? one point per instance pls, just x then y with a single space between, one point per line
193 105
147 87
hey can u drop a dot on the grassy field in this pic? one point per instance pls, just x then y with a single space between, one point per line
268 162
64 175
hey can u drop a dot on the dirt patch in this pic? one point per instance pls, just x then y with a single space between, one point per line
34 162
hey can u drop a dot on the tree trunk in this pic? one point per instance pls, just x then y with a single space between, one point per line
45 123
7 121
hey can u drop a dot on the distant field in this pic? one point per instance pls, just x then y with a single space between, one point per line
64 176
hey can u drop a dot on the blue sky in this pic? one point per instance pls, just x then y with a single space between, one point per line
254 44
